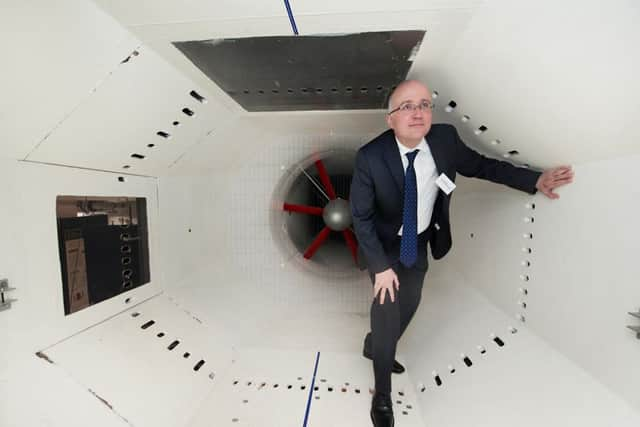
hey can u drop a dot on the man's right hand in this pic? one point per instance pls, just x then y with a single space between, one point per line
385 281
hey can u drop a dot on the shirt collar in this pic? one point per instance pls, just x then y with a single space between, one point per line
422 146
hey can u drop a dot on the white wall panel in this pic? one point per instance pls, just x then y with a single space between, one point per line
41 308
11 250
145 96
554 80
54 55
583 265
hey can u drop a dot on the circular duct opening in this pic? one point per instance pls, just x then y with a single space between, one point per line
312 218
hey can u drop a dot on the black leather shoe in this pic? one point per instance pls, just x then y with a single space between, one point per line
381 410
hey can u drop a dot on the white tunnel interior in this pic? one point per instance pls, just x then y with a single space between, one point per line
525 321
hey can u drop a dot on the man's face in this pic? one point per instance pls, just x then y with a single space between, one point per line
410 126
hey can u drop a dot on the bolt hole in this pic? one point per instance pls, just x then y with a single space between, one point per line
450 106
148 324
201 99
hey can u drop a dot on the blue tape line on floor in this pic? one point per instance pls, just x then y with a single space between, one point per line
313 381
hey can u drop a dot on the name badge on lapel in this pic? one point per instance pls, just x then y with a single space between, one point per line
445 184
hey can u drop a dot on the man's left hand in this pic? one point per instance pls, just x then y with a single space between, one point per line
553 178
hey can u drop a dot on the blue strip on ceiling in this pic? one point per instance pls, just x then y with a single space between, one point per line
291 18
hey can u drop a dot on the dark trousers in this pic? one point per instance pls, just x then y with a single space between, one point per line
390 320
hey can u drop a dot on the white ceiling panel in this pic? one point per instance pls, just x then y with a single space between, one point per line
359 8
145 12
143 97
150 12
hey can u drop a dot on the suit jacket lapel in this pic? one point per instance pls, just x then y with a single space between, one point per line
392 158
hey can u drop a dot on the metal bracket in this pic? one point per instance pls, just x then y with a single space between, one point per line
5 303
635 329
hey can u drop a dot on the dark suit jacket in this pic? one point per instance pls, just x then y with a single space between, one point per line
377 191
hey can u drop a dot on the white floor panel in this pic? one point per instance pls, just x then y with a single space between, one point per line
267 387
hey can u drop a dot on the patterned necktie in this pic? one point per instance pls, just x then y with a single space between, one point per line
409 241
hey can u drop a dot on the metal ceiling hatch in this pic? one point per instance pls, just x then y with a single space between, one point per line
322 72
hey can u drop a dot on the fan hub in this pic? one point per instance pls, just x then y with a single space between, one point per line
337 214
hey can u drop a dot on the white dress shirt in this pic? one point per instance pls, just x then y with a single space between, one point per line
426 175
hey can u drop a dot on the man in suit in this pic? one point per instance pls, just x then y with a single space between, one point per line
400 203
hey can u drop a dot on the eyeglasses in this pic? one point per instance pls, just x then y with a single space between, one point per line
409 107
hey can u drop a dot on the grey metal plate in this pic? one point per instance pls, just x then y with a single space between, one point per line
325 72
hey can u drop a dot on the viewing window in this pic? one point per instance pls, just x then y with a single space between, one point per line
104 249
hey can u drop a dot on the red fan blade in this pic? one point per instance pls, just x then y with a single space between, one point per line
325 179
311 210
351 242
319 240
